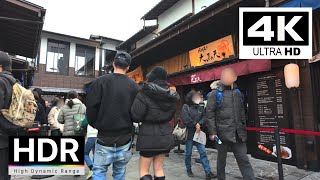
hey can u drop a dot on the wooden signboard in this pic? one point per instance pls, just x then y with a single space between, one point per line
211 52
136 74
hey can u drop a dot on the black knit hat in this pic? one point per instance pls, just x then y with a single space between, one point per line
157 73
5 61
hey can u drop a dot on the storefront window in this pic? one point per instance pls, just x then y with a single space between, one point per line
58 57
85 57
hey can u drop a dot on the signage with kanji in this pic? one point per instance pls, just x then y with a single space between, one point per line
211 52
136 75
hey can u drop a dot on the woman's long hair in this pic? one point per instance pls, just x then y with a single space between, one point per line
71 95
36 95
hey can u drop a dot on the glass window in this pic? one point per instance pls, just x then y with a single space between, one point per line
58 57
85 57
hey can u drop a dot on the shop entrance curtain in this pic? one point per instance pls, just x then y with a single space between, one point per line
241 68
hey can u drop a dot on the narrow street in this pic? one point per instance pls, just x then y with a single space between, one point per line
174 168
243 74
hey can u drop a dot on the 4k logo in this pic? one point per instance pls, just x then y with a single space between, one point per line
275 33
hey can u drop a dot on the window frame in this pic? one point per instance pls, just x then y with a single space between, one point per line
94 60
68 56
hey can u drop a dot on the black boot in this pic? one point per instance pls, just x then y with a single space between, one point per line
41 176
190 173
210 176
146 177
159 178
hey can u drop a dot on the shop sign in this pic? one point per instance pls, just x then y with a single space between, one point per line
241 68
271 111
195 79
214 51
136 74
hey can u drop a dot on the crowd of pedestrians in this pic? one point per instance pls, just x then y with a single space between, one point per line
115 102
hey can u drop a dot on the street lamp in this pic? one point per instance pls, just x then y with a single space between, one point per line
292 81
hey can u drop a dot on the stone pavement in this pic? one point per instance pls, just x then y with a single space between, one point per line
174 169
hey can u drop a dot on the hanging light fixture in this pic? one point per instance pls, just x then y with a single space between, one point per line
291 75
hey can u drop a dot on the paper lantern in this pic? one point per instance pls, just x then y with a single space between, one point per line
291 75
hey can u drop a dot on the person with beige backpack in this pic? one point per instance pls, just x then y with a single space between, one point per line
17 110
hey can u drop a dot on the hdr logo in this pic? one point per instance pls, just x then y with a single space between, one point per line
275 33
46 155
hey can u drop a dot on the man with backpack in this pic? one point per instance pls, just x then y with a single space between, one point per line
227 122
5 97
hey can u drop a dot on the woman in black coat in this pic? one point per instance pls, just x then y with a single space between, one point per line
153 108
41 116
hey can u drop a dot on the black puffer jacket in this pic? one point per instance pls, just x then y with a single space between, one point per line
192 114
154 107
228 120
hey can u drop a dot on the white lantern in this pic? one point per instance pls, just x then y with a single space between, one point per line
291 75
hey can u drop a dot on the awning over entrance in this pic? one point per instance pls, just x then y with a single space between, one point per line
241 68
21 24
315 4
57 90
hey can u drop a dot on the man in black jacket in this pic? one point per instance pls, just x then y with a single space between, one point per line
108 110
226 119
5 98
193 116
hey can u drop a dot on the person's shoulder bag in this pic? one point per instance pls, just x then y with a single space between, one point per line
81 121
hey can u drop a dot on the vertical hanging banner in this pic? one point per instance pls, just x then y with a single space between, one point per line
211 52
136 74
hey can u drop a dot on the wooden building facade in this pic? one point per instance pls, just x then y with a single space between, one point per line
288 108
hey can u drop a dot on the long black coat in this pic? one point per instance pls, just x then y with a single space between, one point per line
41 116
5 98
228 120
154 107
192 114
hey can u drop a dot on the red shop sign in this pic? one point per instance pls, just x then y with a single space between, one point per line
241 68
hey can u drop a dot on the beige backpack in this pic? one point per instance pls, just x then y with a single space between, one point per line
23 107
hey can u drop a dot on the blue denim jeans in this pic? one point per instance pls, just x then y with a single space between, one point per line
203 156
105 156
90 143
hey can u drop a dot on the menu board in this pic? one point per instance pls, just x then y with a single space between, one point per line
271 110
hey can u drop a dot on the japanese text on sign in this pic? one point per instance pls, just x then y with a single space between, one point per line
136 75
214 51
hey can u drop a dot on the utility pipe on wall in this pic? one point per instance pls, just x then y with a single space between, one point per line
267 3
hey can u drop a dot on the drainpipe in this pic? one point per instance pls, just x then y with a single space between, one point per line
100 56
100 60
267 3
193 7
